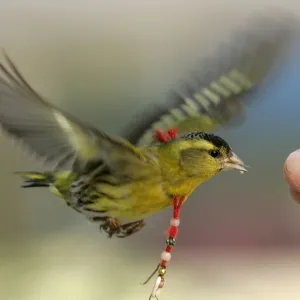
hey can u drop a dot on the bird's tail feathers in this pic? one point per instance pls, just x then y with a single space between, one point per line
36 179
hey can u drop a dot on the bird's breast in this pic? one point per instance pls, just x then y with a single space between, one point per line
182 186
149 198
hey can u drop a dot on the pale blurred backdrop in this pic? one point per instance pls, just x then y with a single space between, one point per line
105 61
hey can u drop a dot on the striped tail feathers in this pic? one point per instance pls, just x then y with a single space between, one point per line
36 179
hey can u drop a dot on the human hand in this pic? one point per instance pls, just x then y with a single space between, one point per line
292 174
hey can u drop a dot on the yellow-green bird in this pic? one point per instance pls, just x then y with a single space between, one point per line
118 183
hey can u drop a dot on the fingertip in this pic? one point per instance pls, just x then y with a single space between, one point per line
292 170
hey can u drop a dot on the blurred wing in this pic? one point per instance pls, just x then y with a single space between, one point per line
52 134
216 96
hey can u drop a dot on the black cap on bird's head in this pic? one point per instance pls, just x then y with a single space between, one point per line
210 137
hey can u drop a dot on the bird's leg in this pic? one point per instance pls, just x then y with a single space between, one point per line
110 225
130 228
113 227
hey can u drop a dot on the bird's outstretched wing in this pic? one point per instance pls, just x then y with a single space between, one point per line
54 135
216 96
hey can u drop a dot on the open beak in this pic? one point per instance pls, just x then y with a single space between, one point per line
234 163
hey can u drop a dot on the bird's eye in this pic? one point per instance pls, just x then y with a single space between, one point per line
214 153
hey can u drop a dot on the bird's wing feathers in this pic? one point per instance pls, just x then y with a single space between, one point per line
216 96
51 134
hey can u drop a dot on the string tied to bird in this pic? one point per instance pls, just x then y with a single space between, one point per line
165 257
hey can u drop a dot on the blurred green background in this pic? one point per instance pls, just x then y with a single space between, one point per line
105 61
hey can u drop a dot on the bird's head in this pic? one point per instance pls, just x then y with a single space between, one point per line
205 154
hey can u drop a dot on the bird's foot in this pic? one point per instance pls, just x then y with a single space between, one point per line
113 227
130 228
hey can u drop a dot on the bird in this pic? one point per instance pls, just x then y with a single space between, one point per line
118 182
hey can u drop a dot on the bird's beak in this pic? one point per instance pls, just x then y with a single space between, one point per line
234 163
